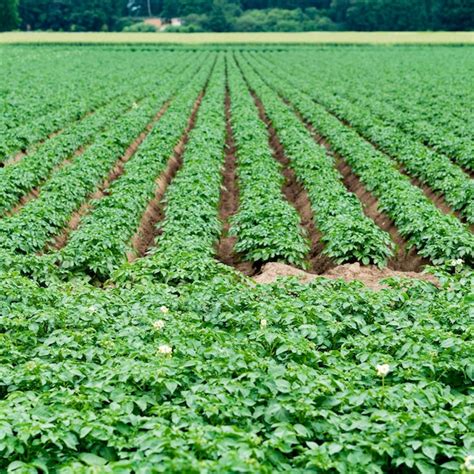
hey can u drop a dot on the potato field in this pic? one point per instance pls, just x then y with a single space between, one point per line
236 258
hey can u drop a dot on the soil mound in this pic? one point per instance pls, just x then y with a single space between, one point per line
370 275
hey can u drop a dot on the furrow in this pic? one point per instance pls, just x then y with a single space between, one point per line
229 202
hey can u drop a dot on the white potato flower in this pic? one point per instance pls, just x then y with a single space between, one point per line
165 349
92 309
456 262
164 310
469 463
159 324
263 324
382 370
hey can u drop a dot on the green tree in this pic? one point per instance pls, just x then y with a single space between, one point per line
218 20
8 15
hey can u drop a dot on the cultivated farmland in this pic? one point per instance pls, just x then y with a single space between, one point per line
151 196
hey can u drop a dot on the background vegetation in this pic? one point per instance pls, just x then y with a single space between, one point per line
239 15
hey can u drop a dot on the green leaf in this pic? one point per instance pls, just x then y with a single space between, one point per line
92 459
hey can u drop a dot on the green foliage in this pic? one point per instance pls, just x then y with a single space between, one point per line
438 236
267 227
284 20
179 363
9 18
396 139
348 234
140 28
102 242
248 15
184 248
85 387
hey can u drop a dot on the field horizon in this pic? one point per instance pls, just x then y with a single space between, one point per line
319 37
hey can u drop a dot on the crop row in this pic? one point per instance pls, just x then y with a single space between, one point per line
102 241
266 224
191 228
432 168
40 84
29 230
434 114
73 104
437 236
459 147
100 381
19 179
347 234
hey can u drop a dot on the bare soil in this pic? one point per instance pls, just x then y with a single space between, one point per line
229 199
370 276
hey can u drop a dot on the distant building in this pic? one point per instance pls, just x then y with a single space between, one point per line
161 24
156 22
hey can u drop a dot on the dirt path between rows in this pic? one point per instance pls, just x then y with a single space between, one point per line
229 200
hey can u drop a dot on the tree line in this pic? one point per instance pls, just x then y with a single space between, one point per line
240 15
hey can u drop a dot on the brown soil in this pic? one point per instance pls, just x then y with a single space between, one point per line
406 260
296 195
147 231
61 239
229 200
368 275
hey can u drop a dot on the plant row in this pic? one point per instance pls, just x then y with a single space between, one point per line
437 236
428 102
266 224
347 233
102 241
432 168
458 146
30 229
190 380
82 96
186 247
19 179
